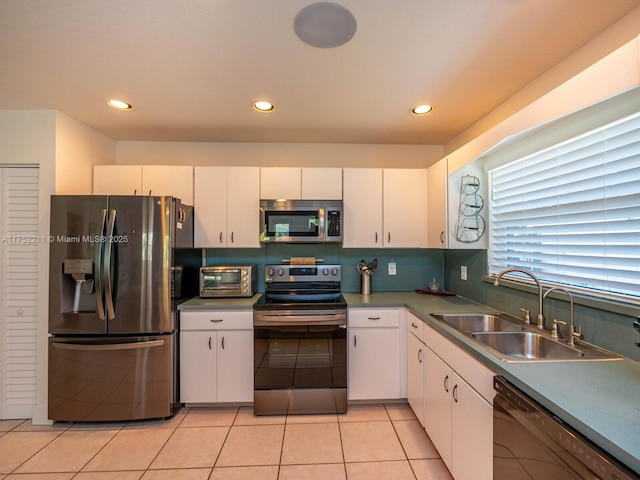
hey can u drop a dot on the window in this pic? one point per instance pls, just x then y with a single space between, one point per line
570 213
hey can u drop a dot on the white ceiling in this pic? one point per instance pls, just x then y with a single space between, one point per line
192 68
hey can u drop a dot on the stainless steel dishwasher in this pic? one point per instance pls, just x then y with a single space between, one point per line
530 443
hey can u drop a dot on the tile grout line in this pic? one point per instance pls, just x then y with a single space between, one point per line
215 461
393 425
35 453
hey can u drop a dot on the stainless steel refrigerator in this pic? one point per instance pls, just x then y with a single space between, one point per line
112 327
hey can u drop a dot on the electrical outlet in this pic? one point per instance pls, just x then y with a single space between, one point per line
463 272
392 268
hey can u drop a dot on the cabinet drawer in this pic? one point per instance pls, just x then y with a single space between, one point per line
378 317
216 320
415 326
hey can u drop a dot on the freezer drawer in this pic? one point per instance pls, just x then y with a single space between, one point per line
111 379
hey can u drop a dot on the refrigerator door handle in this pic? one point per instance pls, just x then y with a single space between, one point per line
108 297
98 266
107 347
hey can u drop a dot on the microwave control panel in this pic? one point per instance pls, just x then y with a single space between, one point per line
333 223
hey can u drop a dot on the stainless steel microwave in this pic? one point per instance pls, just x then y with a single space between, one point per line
301 221
228 281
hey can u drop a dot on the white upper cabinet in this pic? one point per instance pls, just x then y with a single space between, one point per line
117 180
174 180
280 182
295 183
403 214
362 208
226 207
321 184
437 181
384 208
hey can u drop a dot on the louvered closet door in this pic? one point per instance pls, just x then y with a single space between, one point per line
18 290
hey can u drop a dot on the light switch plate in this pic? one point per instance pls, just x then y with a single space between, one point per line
392 268
463 272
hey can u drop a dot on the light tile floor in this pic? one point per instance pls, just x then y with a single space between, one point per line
369 442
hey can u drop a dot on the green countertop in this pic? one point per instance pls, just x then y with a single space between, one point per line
198 303
600 399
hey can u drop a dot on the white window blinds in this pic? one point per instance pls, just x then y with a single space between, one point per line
571 213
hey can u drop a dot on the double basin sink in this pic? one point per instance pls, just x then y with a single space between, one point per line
510 340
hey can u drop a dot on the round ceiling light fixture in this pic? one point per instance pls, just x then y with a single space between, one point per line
263 106
119 104
325 25
421 109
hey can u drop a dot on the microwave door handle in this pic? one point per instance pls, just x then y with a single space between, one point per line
99 266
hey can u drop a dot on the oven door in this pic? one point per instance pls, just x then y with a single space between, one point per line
300 363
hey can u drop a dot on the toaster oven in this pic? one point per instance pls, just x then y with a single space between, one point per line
228 281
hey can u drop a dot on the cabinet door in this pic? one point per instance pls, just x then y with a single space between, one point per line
415 375
198 367
374 363
235 365
362 208
174 180
472 431
243 207
321 184
117 180
280 182
210 207
437 414
437 181
403 216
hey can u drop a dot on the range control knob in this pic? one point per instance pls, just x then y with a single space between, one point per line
280 272
271 272
325 271
334 272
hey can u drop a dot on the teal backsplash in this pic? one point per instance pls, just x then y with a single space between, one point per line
415 267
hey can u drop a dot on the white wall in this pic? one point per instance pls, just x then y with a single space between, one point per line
277 154
577 81
78 148
28 137
615 73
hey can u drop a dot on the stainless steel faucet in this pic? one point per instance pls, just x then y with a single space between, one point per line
540 317
572 333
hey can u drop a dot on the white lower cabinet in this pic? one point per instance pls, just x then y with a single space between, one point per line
374 354
415 366
216 356
458 419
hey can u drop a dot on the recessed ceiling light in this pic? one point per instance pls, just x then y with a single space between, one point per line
264 106
421 109
119 104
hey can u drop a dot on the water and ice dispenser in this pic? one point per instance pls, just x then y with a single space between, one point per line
78 288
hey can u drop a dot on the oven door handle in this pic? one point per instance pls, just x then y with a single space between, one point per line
266 319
